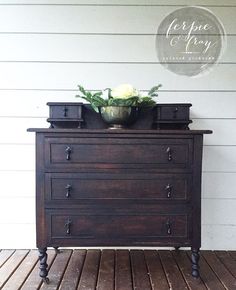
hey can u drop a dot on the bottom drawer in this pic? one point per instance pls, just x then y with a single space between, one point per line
109 229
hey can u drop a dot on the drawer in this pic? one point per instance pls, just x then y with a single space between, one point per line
65 110
117 153
173 111
110 227
98 186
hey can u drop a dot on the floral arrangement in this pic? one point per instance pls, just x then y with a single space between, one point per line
123 95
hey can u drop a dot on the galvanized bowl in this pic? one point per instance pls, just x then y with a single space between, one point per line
118 117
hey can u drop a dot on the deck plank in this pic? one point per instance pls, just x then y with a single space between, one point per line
33 281
118 270
57 270
123 276
73 271
140 275
88 279
221 271
11 265
184 264
106 270
228 261
172 271
5 255
156 271
21 273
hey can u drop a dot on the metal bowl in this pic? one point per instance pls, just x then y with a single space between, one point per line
118 117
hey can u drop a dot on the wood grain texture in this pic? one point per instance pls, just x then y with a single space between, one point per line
151 266
139 270
226 278
106 273
123 273
89 276
172 271
18 277
11 265
57 270
155 269
33 281
73 271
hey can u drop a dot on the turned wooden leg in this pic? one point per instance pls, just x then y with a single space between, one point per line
195 259
43 266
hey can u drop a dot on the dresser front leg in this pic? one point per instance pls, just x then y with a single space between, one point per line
43 266
195 262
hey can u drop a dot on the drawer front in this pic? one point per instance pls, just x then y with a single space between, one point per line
118 153
112 227
174 113
84 186
65 112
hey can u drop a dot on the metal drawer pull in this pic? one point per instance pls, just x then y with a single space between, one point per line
65 110
168 190
68 226
168 227
68 152
169 152
68 190
175 112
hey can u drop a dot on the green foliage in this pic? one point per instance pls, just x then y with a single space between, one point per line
153 91
96 100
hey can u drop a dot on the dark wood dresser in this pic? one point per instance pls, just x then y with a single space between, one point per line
103 187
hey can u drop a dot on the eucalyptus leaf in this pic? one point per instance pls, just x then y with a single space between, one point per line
154 90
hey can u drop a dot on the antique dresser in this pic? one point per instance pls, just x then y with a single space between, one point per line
125 187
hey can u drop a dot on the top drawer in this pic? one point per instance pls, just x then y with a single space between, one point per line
107 153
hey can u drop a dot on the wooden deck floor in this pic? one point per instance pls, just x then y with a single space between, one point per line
117 270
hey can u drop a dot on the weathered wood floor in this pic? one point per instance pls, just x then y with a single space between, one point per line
117 270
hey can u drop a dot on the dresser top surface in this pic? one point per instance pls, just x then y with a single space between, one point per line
120 131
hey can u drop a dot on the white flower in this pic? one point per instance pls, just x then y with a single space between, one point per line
124 91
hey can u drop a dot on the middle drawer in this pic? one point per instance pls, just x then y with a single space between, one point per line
77 187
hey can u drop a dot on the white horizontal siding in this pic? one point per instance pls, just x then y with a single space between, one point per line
55 76
99 48
121 2
74 19
47 47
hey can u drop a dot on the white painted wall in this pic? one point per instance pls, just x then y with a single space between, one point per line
47 47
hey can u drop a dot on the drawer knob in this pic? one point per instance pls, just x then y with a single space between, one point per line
68 190
65 110
168 227
175 112
168 190
68 226
68 152
169 153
